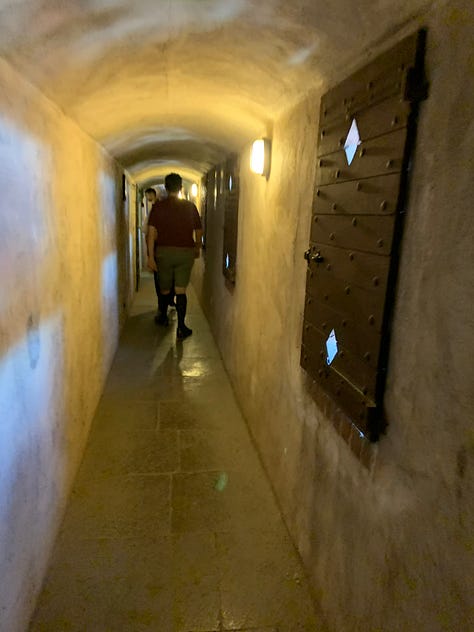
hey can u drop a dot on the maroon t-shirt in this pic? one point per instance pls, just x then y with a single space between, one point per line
175 220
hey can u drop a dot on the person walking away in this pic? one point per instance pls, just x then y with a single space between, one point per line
152 197
174 242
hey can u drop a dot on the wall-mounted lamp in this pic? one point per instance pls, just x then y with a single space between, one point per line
194 189
260 157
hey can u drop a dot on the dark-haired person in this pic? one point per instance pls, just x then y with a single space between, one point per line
151 196
174 241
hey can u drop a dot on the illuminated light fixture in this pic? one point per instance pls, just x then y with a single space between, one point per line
180 195
194 189
227 261
260 157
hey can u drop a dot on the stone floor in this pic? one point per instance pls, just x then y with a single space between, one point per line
172 525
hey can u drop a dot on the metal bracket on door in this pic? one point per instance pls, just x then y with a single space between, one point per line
309 255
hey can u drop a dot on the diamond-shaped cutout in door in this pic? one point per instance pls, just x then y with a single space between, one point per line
352 142
331 346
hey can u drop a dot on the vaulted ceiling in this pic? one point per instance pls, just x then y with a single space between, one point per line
181 83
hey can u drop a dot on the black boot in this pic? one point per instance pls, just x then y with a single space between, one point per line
162 318
156 279
181 304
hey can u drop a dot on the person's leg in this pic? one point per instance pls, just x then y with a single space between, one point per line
165 277
181 307
157 286
162 317
182 276
171 296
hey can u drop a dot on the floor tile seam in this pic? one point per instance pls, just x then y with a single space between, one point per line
220 578
115 477
121 538
132 475
179 449
157 416
150 400
126 428
147 474
222 470
170 504
213 470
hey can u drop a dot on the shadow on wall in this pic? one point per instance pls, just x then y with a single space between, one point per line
61 307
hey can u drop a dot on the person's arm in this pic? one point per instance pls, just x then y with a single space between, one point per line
197 232
197 242
151 238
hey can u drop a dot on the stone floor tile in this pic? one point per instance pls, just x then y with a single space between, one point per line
195 367
198 504
116 417
195 412
180 415
107 585
119 506
262 581
217 500
146 452
147 597
208 450
196 582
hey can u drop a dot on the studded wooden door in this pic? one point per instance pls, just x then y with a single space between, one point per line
230 193
366 137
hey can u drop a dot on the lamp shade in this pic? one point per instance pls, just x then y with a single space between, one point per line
260 157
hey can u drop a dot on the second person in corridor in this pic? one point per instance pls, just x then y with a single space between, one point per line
174 241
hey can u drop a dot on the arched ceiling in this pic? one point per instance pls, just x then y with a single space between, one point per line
184 82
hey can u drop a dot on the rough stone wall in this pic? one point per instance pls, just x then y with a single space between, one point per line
390 549
64 288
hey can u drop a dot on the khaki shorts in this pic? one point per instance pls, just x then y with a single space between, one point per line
174 264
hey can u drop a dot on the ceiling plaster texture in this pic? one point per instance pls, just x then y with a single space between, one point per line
149 78
156 173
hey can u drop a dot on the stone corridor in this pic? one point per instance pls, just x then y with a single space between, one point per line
172 525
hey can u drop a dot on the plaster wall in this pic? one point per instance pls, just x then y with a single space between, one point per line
388 549
65 266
